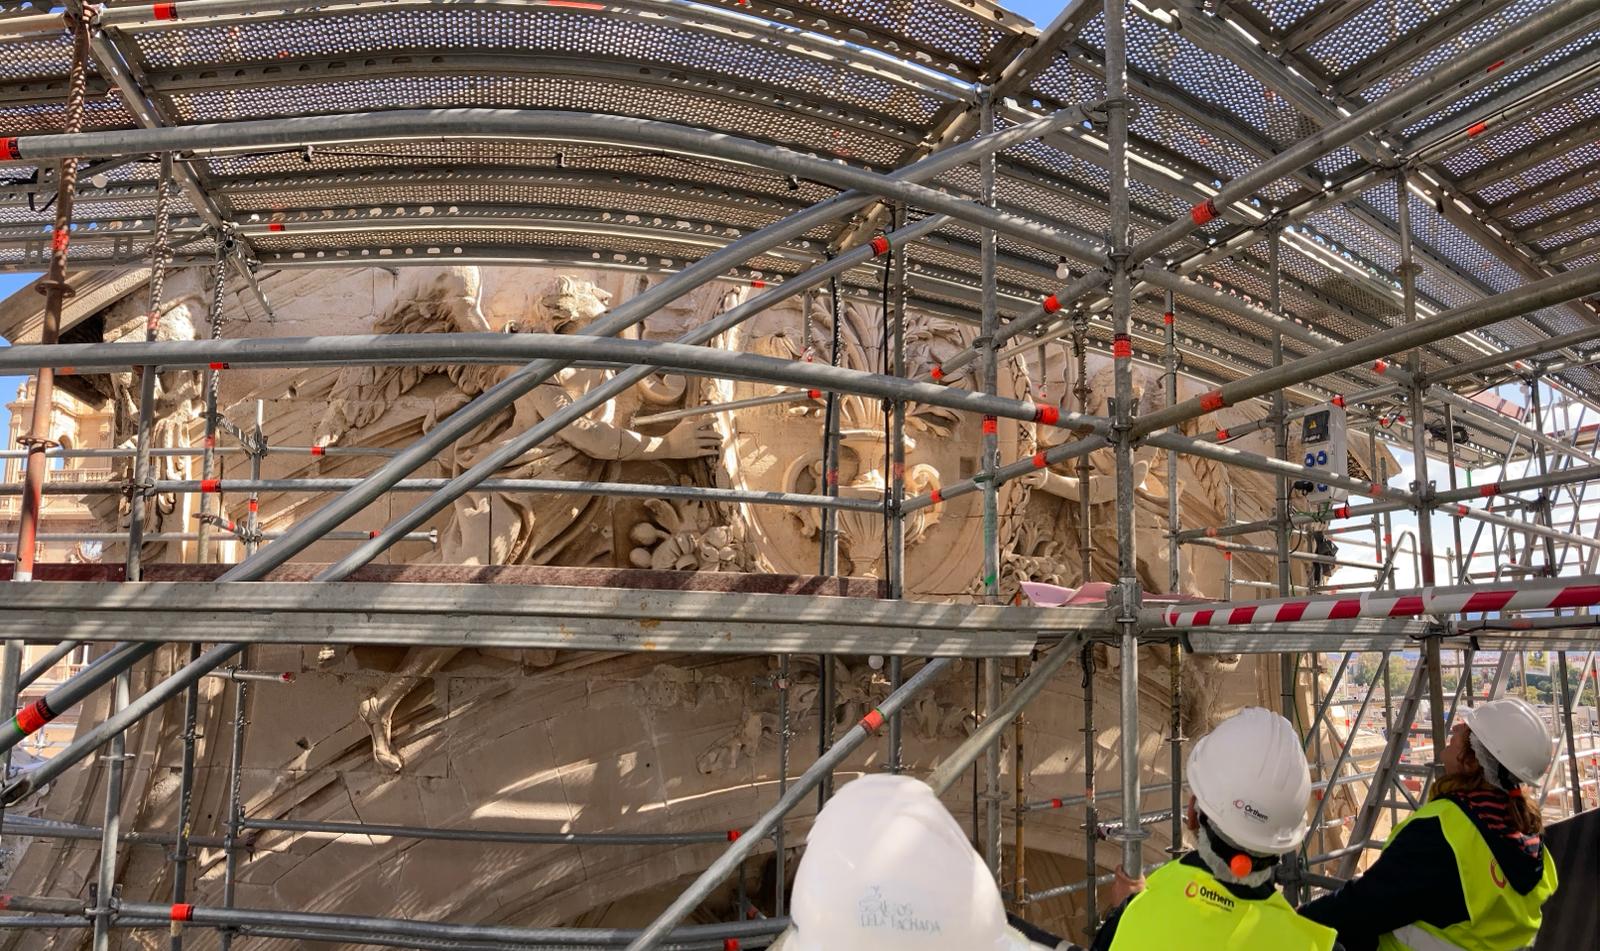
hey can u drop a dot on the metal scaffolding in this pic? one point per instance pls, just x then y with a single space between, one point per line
1280 210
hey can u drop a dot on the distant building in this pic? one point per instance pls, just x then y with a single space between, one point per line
76 424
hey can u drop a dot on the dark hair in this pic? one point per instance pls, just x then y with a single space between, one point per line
1524 816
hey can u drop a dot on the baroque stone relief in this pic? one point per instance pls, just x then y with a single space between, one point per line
178 411
770 448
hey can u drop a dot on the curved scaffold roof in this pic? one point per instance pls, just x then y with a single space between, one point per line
1504 172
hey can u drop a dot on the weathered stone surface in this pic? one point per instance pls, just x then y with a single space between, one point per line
540 741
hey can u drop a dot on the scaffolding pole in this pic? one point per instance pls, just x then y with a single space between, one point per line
1131 837
895 557
1175 587
55 289
989 465
746 843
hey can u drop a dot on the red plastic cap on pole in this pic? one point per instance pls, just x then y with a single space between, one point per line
1212 401
937 373
1222 435
1476 129
1492 489
210 485
164 11
9 148
814 394
1168 319
182 913
1203 212
33 716
1122 347
1338 401
1050 304
1039 461
990 425
872 721
1045 413
880 245
1380 367
275 226
733 835
936 496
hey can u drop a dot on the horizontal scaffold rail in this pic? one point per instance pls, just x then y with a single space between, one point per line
530 617
518 348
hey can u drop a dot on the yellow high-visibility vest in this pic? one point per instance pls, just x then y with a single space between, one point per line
1185 907
1501 918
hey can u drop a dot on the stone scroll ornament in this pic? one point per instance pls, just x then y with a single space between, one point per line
504 528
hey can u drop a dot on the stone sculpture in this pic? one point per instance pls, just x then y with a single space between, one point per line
595 742
501 528
177 412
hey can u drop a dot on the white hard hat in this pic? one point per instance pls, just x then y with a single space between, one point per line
1512 732
887 868
1250 778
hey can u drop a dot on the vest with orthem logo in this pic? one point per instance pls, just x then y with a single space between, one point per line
1186 907
1501 918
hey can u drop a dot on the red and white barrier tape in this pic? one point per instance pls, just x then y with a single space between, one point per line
1386 604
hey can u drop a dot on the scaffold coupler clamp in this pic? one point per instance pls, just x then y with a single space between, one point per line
132 486
254 442
43 443
1098 113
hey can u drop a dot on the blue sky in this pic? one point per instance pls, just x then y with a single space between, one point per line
8 384
1039 11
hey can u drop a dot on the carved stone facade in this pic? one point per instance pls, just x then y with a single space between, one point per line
550 741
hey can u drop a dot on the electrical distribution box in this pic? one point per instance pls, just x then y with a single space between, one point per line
1327 449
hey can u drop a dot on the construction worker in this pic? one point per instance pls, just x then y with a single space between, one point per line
1469 869
1250 786
887 868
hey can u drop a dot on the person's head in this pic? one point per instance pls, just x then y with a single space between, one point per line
887 868
1250 785
1503 745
